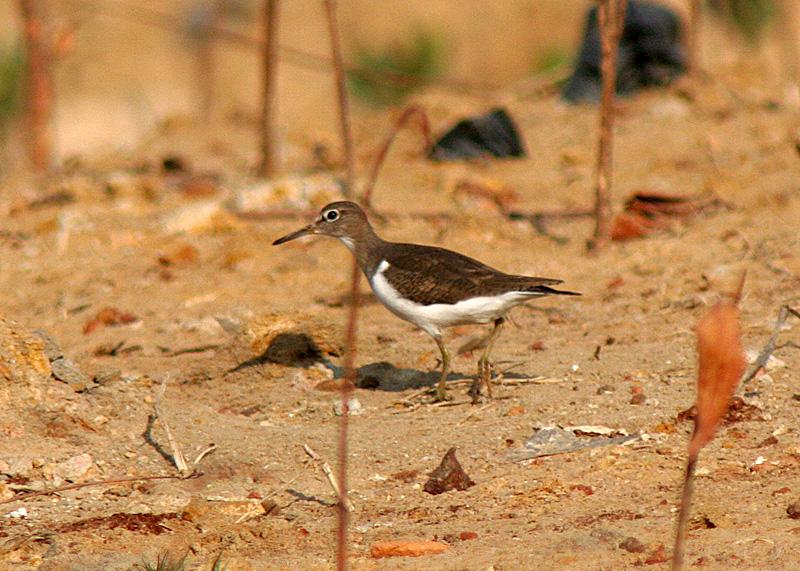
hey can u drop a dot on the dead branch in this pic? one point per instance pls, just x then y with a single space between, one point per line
111 482
326 469
176 457
408 113
772 345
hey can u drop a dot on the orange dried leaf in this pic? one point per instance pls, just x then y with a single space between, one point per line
109 316
721 365
406 548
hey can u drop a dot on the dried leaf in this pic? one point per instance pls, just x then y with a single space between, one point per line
449 475
721 365
109 316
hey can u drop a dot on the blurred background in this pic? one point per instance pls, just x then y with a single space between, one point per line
124 68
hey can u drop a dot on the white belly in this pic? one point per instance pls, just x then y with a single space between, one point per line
431 318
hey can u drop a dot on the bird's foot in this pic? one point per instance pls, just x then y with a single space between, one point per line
483 381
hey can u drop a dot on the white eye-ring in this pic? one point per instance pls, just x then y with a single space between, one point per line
331 215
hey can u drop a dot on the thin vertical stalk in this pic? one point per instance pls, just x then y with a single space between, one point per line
39 84
695 26
344 105
683 515
611 19
206 65
269 139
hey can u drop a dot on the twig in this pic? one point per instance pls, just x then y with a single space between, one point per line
771 345
344 105
28 495
408 112
177 456
326 469
204 453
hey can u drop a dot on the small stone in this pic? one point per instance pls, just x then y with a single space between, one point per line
65 370
354 408
271 507
76 469
632 545
52 349
516 410
108 376
24 367
638 398
793 511
606 389
658 555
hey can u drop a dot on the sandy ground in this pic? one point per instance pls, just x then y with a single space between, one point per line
577 361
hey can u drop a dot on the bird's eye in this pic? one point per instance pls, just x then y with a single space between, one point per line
331 215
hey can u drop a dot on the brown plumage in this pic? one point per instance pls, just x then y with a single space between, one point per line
429 286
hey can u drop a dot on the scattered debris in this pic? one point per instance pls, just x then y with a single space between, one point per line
552 440
449 475
406 548
763 359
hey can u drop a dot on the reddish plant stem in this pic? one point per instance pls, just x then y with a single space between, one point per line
683 515
611 19
344 105
695 26
269 144
39 84
408 113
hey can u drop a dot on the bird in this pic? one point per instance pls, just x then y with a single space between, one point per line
431 287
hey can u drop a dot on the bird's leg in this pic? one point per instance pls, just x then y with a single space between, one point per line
440 388
484 366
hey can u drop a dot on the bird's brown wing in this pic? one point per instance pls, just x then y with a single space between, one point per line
426 275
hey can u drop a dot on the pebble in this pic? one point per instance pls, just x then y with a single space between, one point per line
354 408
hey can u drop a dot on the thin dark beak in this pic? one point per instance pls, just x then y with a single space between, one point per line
310 229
